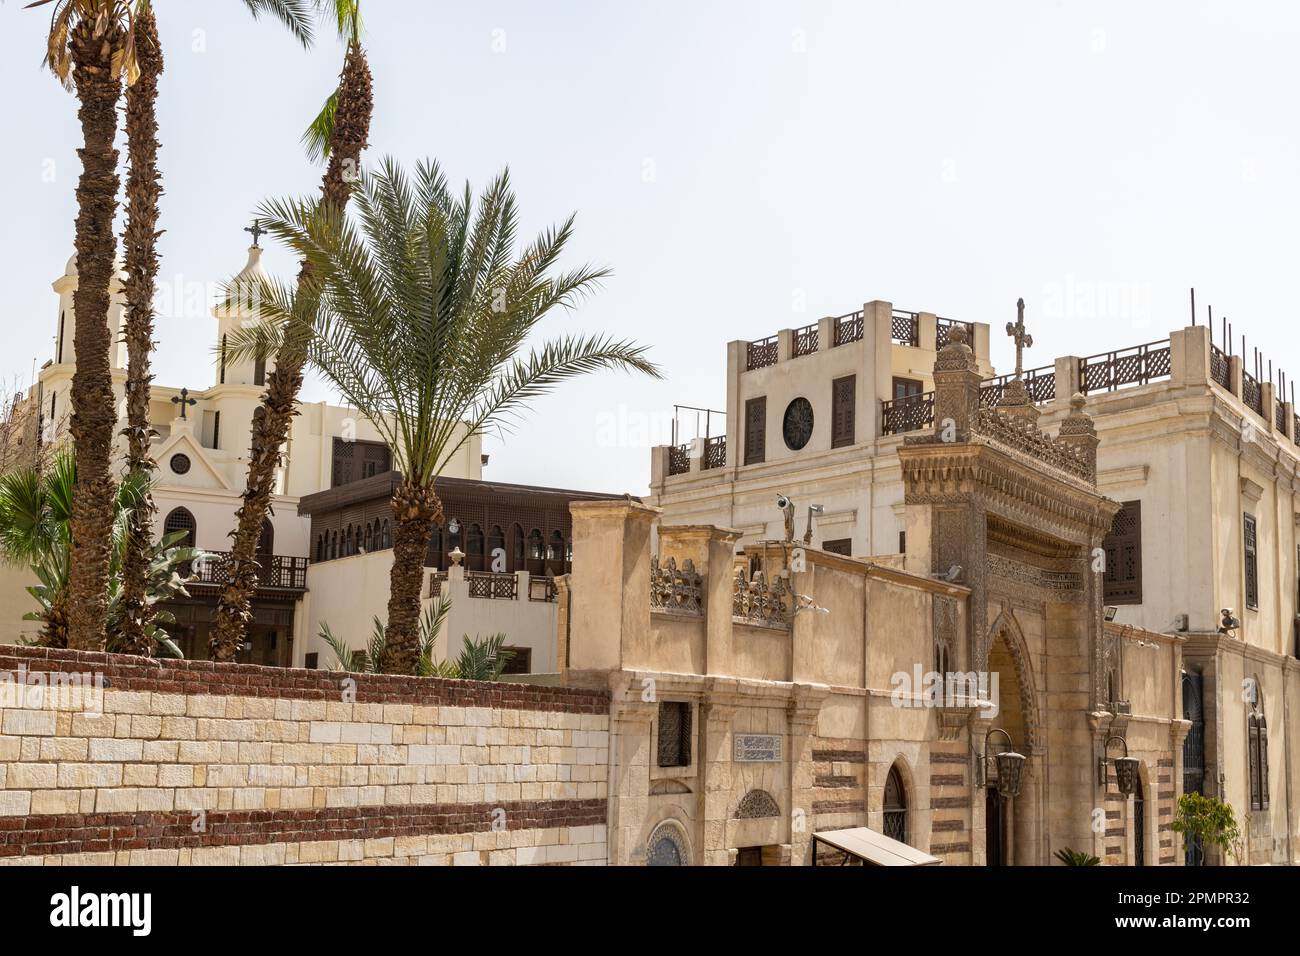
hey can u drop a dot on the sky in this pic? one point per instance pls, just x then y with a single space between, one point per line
742 167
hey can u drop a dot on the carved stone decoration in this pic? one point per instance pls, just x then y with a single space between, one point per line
757 804
667 846
757 602
944 619
677 591
1008 629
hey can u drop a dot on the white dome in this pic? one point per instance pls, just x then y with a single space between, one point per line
253 267
71 268
118 268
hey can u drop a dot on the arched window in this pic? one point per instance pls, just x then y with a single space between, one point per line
555 550
667 846
320 547
433 554
180 519
334 544
535 545
474 548
369 543
895 806
496 541
516 548
1257 746
388 540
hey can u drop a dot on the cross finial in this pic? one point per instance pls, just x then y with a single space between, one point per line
257 231
1023 339
184 401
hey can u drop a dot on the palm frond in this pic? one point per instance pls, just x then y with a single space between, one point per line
296 15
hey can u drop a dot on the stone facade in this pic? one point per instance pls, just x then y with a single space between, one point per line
200 763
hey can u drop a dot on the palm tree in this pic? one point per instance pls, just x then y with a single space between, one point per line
35 516
90 49
339 134
140 242
421 311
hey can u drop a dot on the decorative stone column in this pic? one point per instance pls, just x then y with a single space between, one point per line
956 388
1080 432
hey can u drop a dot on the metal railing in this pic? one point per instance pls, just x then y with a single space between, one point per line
1279 415
849 328
715 452
277 572
761 354
1138 365
905 328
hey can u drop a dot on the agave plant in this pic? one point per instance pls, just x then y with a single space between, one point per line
36 531
1076 857
480 659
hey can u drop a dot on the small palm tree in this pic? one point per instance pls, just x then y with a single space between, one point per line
1071 857
421 311
482 658
35 532
140 247
338 135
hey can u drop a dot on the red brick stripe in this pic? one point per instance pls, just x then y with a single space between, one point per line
104 832
122 672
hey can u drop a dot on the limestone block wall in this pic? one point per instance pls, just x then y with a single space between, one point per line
192 762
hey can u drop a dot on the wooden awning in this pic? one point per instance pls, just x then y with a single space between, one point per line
872 848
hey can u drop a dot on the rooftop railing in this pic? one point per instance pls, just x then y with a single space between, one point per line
761 354
1139 365
905 328
277 572
849 328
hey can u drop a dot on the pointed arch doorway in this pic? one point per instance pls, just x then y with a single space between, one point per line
1011 824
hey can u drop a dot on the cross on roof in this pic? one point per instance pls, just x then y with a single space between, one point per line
1023 339
184 401
257 231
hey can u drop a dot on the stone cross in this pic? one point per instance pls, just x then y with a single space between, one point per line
257 231
1023 340
184 401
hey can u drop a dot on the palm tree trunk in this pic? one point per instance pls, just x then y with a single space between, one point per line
272 419
143 187
94 417
415 511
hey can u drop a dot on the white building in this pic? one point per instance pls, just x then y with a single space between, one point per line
1201 453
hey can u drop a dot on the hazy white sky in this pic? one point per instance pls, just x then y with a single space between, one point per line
742 166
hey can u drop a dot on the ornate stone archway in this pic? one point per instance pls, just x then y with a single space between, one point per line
1008 629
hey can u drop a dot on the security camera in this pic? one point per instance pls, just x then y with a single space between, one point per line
783 502
1228 624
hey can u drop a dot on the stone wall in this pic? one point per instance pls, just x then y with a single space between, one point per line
192 762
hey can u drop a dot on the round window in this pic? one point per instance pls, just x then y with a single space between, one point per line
180 464
798 425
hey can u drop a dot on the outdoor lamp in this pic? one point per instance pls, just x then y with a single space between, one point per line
1126 767
1011 765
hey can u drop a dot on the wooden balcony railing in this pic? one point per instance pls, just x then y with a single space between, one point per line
715 452
1041 383
944 326
908 414
1219 370
761 354
1251 394
805 340
679 459
277 572
905 328
1138 365
848 328
485 584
